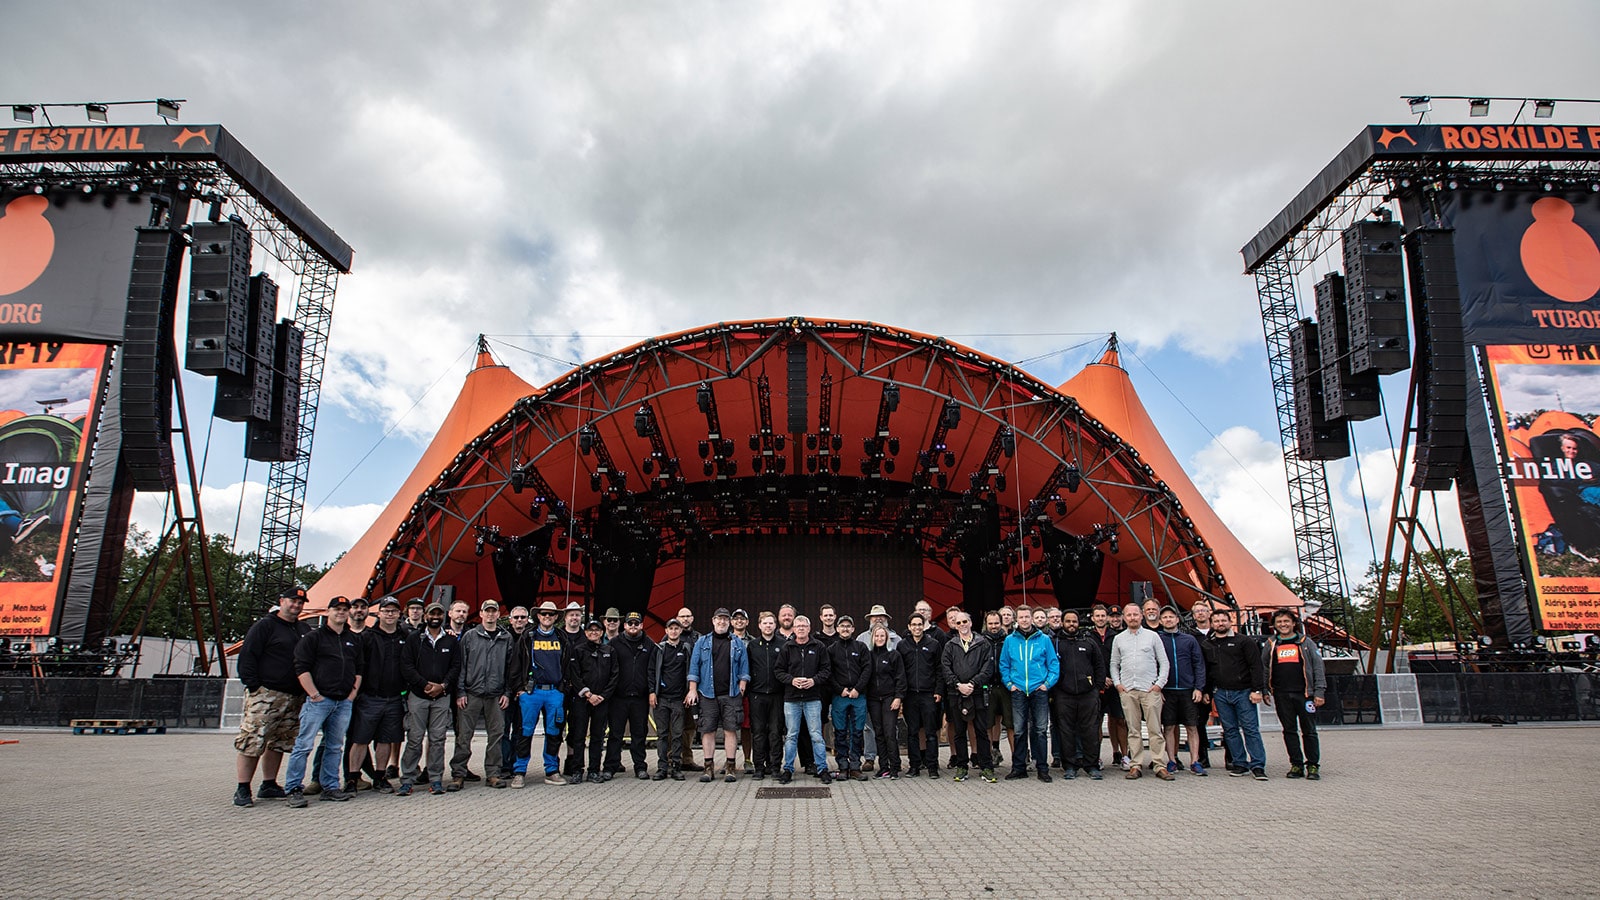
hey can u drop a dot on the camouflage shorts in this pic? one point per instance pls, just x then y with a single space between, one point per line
271 722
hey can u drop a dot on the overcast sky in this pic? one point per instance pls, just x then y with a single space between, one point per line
573 177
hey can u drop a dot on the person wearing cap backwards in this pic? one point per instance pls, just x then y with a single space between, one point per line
429 661
327 662
273 696
803 667
669 685
719 672
541 692
481 695
630 708
594 677
848 660
381 705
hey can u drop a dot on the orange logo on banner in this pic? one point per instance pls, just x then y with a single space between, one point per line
1388 137
26 243
189 134
1560 258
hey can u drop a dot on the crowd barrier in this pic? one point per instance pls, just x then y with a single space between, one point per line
174 702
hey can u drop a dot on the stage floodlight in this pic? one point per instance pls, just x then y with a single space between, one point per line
167 109
1544 109
1419 105
23 113
95 111
1071 478
1478 106
891 396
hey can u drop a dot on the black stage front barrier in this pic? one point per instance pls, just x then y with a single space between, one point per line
178 702
1351 700
1509 697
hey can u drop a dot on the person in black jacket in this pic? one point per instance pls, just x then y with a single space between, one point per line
804 668
671 685
272 698
886 690
766 696
1237 681
594 678
429 661
921 657
848 658
630 708
969 670
382 715
327 662
1076 698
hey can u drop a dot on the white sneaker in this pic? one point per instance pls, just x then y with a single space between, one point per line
1125 763
518 780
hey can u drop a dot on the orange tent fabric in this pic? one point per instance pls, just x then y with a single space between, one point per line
489 393
1104 390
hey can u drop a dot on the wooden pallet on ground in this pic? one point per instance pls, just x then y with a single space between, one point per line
117 726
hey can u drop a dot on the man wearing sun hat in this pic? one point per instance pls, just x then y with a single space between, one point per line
542 695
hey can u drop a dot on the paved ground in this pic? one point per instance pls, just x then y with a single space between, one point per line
1439 812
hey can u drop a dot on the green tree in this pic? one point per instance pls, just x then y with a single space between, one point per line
1421 618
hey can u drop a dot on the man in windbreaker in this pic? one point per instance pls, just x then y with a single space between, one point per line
1180 700
630 709
1076 698
1029 669
967 669
593 676
429 662
481 695
671 683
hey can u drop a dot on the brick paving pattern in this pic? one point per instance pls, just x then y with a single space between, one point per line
1465 812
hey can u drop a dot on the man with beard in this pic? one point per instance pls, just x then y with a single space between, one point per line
848 660
1076 698
1110 703
382 701
968 668
481 696
921 658
429 662
766 696
803 667
670 686
542 694
1029 668
719 672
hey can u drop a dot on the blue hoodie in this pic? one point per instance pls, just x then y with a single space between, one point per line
1029 662
1185 661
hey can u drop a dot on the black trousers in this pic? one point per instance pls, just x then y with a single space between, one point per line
1299 730
964 711
885 731
574 762
1077 728
631 714
922 714
766 731
588 729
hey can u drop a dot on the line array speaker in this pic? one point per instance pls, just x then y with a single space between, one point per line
146 361
798 398
1441 398
1315 436
219 292
1379 339
248 397
1346 395
278 439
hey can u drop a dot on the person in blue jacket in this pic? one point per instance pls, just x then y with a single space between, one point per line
1184 691
1029 669
719 671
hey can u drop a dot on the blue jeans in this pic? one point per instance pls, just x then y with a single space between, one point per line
550 703
793 711
1030 721
331 718
849 717
1239 714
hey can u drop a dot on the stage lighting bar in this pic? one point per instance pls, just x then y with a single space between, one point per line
766 445
97 112
167 109
1419 105
23 113
825 444
605 476
1478 106
1544 109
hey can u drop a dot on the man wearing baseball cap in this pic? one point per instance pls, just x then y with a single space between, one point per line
630 708
272 697
327 662
719 671
429 662
481 695
382 707
594 679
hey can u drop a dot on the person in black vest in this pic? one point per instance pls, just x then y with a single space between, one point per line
630 708
429 661
382 704
272 697
594 679
921 656
671 684
327 661
766 696
1076 698
886 691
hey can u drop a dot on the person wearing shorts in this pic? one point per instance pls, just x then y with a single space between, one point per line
1181 698
380 708
719 672
273 697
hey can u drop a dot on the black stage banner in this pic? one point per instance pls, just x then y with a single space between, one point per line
64 263
1485 141
1528 263
111 140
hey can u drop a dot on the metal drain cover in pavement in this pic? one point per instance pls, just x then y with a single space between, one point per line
794 793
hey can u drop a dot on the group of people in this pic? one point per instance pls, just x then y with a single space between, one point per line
383 695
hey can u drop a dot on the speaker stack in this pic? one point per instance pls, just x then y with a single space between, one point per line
219 298
1316 437
1442 391
1346 394
248 397
278 439
1375 291
146 361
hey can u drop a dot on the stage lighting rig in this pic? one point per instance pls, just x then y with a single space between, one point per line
823 441
1419 105
1478 106
167 109
1544 109
96 112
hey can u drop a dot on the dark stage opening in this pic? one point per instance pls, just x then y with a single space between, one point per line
757 572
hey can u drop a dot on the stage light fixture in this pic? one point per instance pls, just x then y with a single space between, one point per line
643 422
952 414
755 443
894 446
594 482
95 111
1000 481
586 439
648 464
519 479
1008 442
888 466
707 469
702 396
1071 478
1419 105
167 109
1478 106
704 449
1061 507
891 396
23 113
1544 109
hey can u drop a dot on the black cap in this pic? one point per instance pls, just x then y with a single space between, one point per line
414 601
388 602
634 617
593 625
292 593
339 601
721 611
